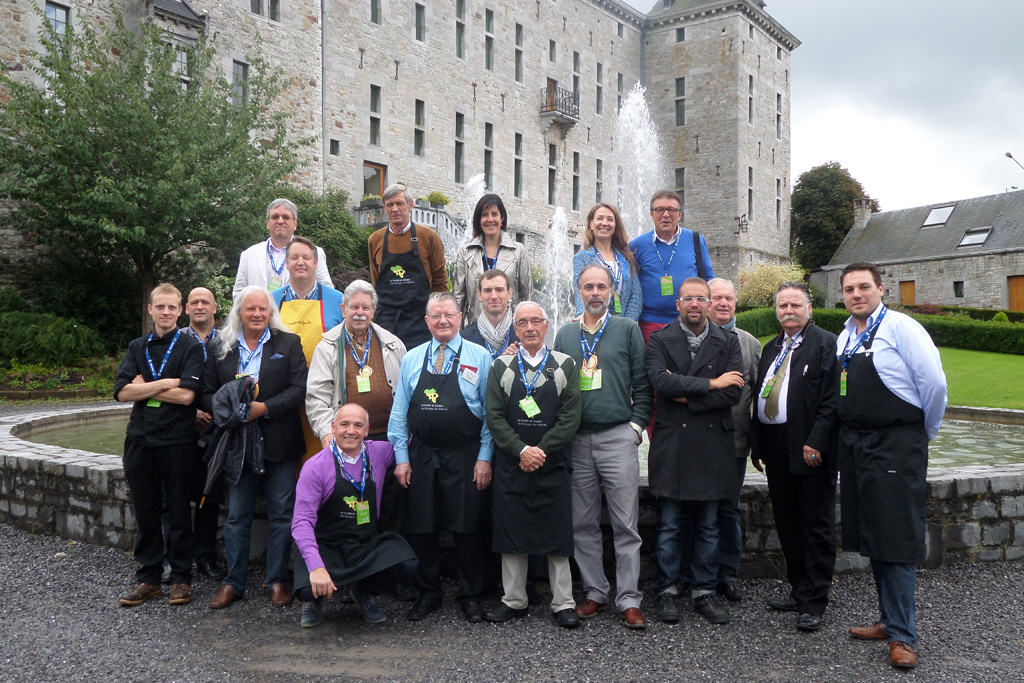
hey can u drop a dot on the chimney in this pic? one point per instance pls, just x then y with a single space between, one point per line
861 213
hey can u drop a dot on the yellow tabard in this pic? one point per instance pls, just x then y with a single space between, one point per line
305 318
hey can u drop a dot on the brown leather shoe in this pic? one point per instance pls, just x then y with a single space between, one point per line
589 608
139 594
224 597
633 618
279 595
874 632
902 655
181 594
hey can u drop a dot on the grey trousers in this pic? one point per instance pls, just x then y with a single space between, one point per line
607 461
513 580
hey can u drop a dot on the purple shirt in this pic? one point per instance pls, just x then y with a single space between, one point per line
315 486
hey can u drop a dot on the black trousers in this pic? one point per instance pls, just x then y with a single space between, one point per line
470 558
804 506
157 477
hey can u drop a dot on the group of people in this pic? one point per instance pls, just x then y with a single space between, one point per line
375 419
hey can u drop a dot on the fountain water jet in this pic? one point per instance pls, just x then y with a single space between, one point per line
476 187
556 294
640 165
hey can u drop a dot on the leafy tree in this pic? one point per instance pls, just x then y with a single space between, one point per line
759 283
822 207
120 160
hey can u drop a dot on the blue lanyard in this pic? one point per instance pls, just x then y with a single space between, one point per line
314 294
785 352
361 484
167 354
618 276
244 364
866 334
270 257
195 335
495 353
540 369
589 349
674 247
448 363
366 350
491 263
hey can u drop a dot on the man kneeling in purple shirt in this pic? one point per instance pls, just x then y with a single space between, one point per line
337 502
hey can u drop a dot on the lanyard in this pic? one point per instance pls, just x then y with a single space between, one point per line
497 352
540 369
491 263
249 355
313 295
167 354
270 257
617 274
590 349
195 335
448 363
674 245
366 349
361 484
866 334
794 342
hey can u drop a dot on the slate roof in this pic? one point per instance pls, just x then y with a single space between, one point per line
680 5
180 9
898 235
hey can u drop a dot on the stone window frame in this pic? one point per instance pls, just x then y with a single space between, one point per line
488 155
239 82
267 9
419 136
419 20
680 101
681 34
376 96
60 26
575 181
517 165
376 15
552 193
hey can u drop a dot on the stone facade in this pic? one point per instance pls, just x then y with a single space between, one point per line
337 56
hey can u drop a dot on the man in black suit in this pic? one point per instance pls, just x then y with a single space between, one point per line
696 370
795 436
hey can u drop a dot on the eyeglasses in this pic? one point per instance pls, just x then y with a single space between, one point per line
665 209
536 322
280 216
446 316
691 299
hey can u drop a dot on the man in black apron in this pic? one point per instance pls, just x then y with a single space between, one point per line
335 522
892 396
533 411
443 451
397 255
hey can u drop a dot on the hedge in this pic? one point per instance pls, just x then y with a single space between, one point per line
979 313
950 332
46 339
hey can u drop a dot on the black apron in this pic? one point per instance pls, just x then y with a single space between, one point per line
442 453
533 510
352 551
402 296
883 467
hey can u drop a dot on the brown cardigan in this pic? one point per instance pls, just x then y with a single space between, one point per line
431 254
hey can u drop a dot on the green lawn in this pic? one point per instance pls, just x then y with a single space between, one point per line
978 378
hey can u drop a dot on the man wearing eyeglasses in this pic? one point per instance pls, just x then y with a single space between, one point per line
263 263
665 257
696 370
443 454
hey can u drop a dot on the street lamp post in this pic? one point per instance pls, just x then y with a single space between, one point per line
1010 157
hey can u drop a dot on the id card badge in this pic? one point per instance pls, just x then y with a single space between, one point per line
469 373
274 283
363 512
529 406
618 303
362 384
152 403
768 387
590 380
842 384
666 286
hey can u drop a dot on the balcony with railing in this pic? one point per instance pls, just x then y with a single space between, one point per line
559 105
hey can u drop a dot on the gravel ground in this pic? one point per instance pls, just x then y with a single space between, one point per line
59 621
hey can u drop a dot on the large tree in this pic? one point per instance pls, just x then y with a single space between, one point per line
129 147
822 208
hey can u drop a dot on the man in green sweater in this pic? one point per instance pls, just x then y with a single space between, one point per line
617 402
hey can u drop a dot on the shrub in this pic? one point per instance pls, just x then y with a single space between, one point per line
438 197
758 284
46 339
926 309
974 335
1000 317
12 300
761 322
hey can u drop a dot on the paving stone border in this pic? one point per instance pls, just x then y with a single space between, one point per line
974 513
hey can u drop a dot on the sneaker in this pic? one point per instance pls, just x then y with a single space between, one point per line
368 606
709 607
312 613
668 610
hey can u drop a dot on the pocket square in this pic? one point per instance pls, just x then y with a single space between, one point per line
276 356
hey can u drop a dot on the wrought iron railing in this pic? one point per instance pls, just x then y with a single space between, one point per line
560 101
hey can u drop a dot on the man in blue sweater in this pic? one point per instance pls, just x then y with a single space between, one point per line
665 257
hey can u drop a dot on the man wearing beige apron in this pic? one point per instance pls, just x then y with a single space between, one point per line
309 309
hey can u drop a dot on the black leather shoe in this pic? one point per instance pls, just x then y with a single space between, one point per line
808 622
403 592
785 605
426 604
730 590
473 611
567 618
211 570
501 613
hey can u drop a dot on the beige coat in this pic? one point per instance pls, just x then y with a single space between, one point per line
469 266
325 392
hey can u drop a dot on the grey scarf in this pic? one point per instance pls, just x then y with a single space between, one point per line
495 336
695 340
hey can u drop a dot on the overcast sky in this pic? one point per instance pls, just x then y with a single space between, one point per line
919 99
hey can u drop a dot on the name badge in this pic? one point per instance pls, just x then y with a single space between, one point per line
618 303
153 403
363 512
768 387
529 406
362 384
274 283
666 286
842 384
590 380
469 373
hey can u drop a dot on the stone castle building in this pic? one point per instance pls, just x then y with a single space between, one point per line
526 92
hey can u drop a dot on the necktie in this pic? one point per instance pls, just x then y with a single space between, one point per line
439 361
771 403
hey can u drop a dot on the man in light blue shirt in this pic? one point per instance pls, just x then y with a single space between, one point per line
443 454
892 396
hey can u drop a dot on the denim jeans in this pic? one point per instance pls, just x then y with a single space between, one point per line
895 583
279 489
730 534
675 518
